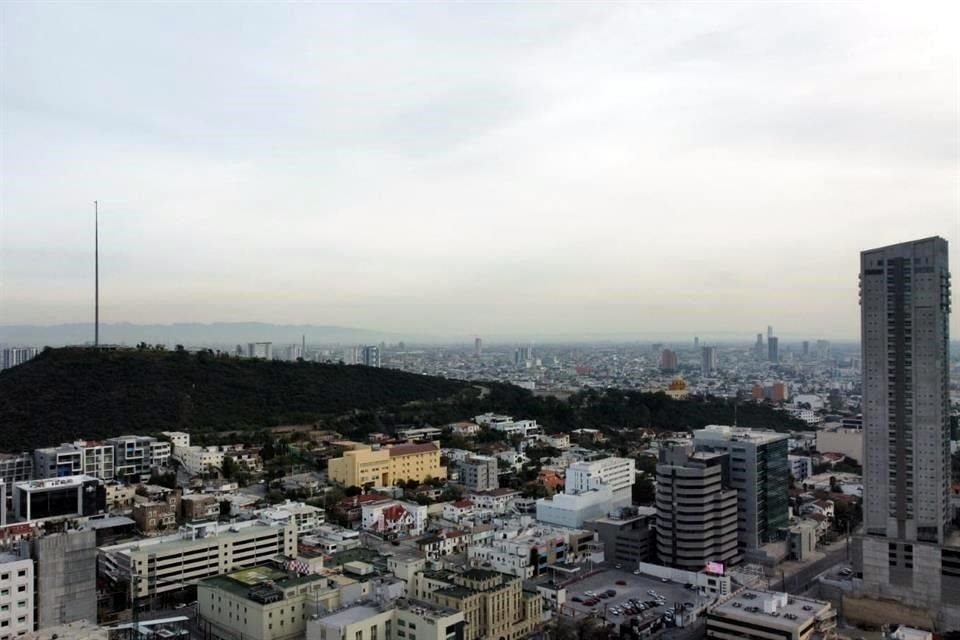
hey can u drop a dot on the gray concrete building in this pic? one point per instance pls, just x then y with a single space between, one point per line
66 576
16 467
629 537
904 307
479 473
908 552
759 470
696 511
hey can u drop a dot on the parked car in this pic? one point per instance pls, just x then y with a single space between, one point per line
577 599
611 593
622 583
664 579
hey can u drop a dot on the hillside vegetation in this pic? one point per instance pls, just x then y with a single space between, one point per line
65 394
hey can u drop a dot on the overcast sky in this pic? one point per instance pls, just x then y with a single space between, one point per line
472 168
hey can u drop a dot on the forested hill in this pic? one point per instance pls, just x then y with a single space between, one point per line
65 394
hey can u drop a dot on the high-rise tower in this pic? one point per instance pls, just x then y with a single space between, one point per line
904 311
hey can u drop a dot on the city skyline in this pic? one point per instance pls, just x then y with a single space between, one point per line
611 170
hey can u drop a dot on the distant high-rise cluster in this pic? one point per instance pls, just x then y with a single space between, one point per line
708 360
370 356
521 356
12 356
669 360
773 349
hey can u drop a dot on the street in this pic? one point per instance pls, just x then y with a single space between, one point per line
800 581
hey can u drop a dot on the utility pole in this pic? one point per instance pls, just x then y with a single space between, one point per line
96 274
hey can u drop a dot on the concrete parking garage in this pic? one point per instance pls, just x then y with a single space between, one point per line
636 587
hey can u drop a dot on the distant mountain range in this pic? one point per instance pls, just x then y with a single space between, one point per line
228 334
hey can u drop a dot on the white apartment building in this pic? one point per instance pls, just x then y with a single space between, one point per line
199 460
573 510
307 518
177 438
155 565
76 458
497 501
16 596
135 456
618 474
507 425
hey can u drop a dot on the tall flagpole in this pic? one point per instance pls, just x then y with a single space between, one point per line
96 274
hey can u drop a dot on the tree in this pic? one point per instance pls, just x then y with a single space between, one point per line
268 451
644 491
535 490
229 467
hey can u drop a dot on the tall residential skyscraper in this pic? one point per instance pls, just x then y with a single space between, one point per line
773 349
669 360
907 552
708 360
371 356
904 312
478 347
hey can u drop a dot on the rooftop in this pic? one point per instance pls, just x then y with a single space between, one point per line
773 609
411 449
245 581
351 615
743 434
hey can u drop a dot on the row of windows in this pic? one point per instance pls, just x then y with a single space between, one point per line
22 573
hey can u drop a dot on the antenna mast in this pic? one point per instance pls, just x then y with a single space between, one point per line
96 274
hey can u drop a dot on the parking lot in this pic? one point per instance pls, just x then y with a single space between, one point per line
636 587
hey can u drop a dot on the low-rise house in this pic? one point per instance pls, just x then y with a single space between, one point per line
394 518
497 501
458 511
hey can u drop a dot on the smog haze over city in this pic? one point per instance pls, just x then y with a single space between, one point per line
441 170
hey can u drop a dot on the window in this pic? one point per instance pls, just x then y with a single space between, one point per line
22 573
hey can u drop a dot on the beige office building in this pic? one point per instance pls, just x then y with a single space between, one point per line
493 604
402 619
386 466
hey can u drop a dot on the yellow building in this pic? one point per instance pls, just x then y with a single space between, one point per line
386 466
494 605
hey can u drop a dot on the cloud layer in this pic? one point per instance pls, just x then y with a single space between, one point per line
472 168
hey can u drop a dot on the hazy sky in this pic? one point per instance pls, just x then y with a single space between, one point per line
468 168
